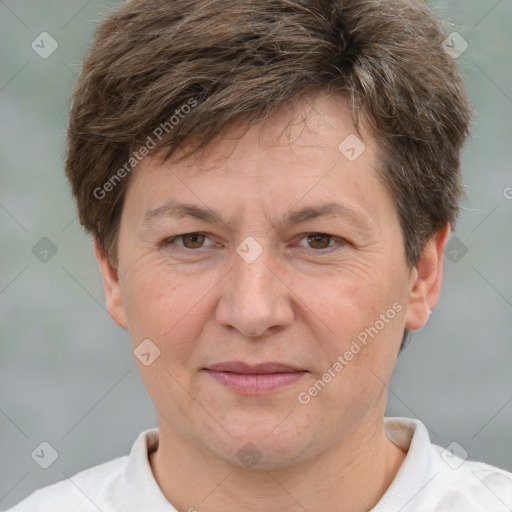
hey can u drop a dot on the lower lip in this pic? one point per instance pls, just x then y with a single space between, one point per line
256 384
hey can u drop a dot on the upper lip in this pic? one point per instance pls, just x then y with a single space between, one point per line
240 367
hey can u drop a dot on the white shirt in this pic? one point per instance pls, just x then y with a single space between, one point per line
430 480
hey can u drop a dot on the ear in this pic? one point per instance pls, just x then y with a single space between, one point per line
112 287
426 279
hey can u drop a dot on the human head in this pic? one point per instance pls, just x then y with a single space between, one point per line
163 77
247 286
164 85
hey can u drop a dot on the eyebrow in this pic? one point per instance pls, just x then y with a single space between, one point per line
176 209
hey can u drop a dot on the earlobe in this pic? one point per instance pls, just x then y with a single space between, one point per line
426 280
109 274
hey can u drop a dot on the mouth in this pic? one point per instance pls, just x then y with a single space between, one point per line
255 379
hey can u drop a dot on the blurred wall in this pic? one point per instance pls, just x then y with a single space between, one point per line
67 374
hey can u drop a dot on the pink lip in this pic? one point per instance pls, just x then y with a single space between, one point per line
254 379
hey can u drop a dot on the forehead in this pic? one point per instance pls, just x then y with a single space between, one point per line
312 121
305 135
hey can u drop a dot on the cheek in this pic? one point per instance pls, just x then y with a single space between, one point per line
346 299
359 317
167 304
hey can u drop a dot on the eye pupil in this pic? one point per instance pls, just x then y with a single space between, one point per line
317 241
197 240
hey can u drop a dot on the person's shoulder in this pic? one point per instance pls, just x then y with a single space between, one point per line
475 484
439 479
81 492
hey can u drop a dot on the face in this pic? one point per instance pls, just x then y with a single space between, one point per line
269 275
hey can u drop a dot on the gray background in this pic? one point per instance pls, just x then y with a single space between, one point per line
67 374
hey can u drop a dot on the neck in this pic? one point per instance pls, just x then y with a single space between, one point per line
355 473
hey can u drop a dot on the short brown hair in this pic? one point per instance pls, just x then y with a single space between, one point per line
232 60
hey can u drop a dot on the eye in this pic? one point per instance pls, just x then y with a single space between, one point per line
320 240
317 241
190 240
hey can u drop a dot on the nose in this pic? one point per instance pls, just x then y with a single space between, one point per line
255 299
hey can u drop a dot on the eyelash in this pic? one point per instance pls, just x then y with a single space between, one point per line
341 241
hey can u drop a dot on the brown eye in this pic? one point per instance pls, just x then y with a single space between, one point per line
319 240
192 240
187 242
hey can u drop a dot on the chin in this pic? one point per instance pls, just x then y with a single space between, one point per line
265 441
